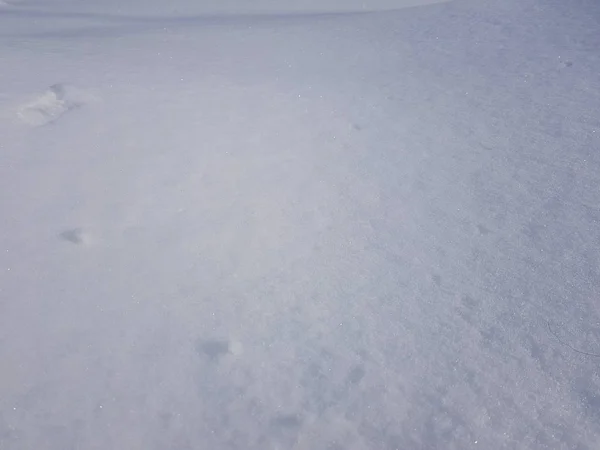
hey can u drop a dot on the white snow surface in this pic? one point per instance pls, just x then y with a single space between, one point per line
299 225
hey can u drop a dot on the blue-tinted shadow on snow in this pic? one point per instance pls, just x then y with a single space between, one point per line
66 25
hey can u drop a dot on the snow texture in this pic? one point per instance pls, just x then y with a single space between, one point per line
299 225
52 104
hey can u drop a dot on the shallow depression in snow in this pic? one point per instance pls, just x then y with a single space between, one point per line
51 105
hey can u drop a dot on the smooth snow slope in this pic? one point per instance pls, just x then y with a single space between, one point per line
211 7
277 231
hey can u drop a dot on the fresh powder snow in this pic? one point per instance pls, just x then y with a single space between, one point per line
310 224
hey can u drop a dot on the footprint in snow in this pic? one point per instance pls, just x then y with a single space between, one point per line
76 236
50 106
215 349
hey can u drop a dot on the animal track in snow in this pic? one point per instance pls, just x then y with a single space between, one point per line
75 236
48 107
215 349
